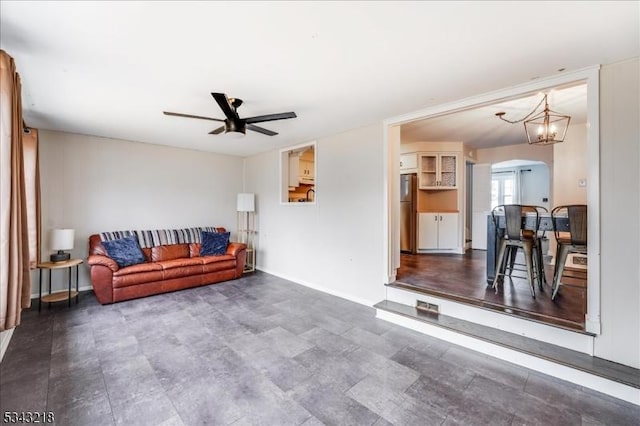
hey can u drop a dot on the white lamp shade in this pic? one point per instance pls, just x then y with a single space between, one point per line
61 239
246 202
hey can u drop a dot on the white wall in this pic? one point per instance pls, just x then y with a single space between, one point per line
481 205
534 185
335 244
94 184
619 211
570 165
521 151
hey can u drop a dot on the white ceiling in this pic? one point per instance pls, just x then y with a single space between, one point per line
480 128
111 68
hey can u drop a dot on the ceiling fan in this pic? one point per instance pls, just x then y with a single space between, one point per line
233 123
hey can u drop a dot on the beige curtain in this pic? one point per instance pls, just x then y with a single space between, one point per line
32 192
15 282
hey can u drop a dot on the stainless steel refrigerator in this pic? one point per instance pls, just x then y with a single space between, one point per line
408 188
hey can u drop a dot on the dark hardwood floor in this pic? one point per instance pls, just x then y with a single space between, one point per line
463 278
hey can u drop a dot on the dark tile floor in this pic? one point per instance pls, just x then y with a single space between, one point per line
262 350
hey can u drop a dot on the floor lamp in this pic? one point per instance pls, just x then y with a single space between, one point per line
246 228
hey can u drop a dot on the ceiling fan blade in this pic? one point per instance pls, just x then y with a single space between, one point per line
217 131
261 130
224 104
270 117
177 114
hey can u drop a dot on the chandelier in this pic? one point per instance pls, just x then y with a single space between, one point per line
544 128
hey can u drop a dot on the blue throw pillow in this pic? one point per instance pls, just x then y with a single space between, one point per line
125 251
213 243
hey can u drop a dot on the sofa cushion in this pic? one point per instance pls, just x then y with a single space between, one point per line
147 253
194 249
183 271
222 263
178 268
139 278
125 251
140 267
179 263
214 243
213 259
169 252
95 246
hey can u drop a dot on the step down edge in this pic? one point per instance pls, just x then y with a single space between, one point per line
434 325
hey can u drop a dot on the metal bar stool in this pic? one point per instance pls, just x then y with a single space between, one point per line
572 240
513 239
539 237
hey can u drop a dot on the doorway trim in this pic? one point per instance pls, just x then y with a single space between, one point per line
467 195
391 150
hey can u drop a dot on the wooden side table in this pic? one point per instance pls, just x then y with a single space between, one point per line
60 295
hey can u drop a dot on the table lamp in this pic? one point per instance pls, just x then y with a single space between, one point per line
61 239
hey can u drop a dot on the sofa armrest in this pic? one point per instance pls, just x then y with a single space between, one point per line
235 248
102 269
96 259
239 251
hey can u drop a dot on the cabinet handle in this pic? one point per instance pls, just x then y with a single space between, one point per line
440 218
401 164
435 218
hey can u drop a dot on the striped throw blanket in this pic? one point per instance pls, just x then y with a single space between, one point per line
160 237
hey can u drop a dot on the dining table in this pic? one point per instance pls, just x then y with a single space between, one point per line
495 233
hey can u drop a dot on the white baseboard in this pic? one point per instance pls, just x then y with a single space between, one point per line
321 288
617 390
5 338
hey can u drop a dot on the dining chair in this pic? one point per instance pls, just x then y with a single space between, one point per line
571 240
539 238
516 237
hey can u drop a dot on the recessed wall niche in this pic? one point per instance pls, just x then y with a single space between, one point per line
298 174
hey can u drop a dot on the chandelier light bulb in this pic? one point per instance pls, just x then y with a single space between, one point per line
541 128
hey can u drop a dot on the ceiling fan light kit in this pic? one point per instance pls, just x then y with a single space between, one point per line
233 124
544 128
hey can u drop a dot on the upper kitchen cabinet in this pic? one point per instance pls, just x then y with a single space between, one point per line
409 163
306 167
302 166
437 170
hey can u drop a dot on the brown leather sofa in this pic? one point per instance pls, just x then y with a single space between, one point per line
167 268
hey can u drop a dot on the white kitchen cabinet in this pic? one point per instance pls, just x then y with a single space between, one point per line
438 231
294 171
437 170
300 171
306 171
409 162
